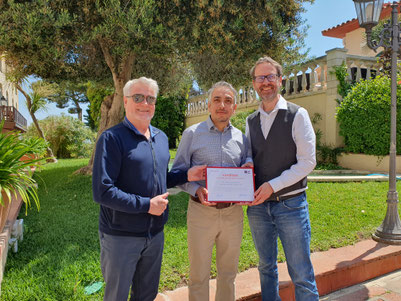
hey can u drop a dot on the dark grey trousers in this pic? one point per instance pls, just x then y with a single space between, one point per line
128 261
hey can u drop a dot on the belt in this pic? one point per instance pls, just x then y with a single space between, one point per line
217 206
284 197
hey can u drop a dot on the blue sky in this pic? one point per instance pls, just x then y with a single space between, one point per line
324 14
321 15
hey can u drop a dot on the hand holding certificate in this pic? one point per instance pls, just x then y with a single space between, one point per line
230 184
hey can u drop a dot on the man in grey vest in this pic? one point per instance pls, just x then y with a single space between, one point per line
283 151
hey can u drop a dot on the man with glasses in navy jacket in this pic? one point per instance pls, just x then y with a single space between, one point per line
130 181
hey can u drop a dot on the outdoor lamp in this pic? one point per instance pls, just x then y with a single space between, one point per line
389 232
3 101
368 12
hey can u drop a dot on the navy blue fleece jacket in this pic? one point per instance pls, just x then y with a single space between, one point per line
128 171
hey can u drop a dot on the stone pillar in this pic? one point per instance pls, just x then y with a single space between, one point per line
335 57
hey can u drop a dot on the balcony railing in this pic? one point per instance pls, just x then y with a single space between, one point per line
13 120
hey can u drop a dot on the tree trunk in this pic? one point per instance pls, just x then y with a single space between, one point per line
51 157
112 108
80 114
79 110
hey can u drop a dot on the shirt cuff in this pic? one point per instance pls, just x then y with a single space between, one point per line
248 160
193 188
276 184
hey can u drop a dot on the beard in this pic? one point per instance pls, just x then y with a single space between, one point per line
268 95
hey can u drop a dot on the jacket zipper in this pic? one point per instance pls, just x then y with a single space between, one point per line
154 180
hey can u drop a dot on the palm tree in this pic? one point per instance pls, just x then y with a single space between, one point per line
35 101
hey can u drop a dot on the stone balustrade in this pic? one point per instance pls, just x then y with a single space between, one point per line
305 78
359 67
298 81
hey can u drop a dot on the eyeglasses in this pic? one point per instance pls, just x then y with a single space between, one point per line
138 98
261 78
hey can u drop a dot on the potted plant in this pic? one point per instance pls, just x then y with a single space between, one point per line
16 174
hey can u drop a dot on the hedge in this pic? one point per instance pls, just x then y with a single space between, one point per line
364 117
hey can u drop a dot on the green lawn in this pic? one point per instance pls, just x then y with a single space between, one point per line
60 252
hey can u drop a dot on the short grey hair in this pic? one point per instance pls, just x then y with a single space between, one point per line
269 60
142 80
223 84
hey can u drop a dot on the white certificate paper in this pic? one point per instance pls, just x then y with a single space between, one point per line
230 184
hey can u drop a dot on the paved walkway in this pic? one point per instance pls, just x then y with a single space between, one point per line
384 288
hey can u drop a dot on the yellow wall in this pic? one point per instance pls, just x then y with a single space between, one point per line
355 43
367 162
314 104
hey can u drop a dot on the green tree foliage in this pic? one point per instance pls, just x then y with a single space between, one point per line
70 95
227 37
170 117
172 41
364 117
114 40
68 137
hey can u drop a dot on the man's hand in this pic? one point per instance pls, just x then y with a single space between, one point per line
197 173
248 164
158 204
262 194
201 192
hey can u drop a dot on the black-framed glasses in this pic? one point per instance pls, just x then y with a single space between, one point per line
261 78
138 98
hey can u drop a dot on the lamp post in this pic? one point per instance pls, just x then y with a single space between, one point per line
368 11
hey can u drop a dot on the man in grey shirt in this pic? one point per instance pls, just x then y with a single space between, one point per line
214 142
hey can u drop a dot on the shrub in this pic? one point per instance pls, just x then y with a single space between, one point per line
96 93
238 120
15 170
170 117
37 146
68 137
364 117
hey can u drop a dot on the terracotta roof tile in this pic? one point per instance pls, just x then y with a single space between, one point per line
340 30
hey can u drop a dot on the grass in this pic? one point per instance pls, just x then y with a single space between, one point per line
173 152
59 256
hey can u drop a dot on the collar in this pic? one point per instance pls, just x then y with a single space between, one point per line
153 131
211 126
280 105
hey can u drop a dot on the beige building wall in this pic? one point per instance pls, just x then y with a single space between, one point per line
368 163
7 89
315 104
355 43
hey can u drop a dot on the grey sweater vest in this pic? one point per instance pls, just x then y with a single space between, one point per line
277 153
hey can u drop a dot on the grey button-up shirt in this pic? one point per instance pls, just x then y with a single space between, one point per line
204 144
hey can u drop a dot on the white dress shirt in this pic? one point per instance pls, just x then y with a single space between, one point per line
305 141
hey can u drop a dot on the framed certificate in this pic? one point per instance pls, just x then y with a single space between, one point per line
230 184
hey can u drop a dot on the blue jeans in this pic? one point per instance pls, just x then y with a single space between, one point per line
128 261
289 220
